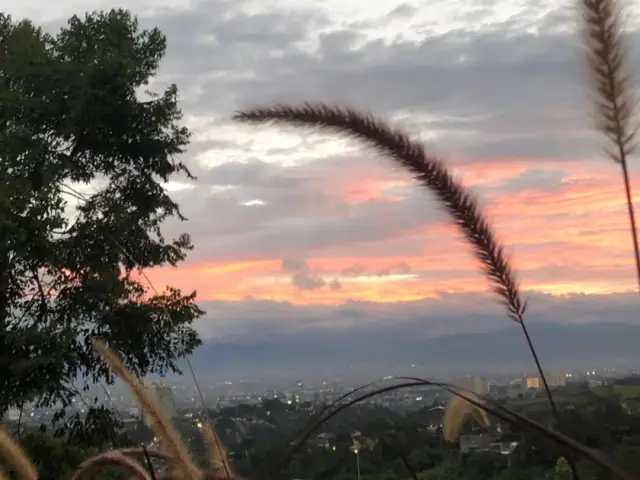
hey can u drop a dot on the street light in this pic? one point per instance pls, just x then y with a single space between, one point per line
356 450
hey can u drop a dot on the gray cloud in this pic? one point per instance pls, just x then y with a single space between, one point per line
517 85
254 320
300 207
304 279
478 93
294 264
513 89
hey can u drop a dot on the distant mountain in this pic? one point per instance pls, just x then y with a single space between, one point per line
559 346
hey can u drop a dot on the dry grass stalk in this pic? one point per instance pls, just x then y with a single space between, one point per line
10 450
218 458
160 424
457 413
429 171
602 35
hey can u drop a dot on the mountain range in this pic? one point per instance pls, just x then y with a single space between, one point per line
560 347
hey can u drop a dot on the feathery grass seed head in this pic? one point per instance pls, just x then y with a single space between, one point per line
457 413
161 426
615 97
428 170
10 450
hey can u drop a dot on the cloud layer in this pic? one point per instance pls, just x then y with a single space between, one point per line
297 230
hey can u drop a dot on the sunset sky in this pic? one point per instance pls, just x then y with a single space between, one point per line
300 231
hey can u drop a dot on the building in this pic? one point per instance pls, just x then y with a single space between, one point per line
480 385
557 379
163 396
476 442
506 391
533 383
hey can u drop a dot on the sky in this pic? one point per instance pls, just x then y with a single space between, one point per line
301 232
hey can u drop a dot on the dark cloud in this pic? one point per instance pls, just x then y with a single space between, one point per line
503 84
294 264
304 279
253 320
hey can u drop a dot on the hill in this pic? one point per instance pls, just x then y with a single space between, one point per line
559 346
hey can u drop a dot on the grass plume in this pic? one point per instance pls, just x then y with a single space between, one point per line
457 413
218 458
433 173
602 36
159 423
428 170
11 451
109 459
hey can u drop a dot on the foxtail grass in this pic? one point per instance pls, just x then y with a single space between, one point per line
109 459
11 451
456 415
614 95
160 424
176 455
432 173
218 457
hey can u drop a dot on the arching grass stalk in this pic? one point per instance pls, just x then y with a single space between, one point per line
487 405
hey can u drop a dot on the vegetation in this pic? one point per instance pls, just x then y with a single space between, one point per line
71 264
384 435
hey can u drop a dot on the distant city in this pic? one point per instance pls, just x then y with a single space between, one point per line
181 398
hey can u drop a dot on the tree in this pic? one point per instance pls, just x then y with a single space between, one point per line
71 266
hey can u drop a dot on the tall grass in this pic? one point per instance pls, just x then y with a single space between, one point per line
614 93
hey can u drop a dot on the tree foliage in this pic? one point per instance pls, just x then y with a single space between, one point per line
73 116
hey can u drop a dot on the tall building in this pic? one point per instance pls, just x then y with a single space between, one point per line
163 395
480 385
556 379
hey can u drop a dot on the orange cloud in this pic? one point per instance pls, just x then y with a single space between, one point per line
570 238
